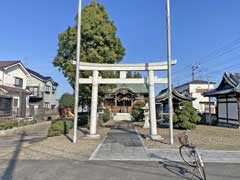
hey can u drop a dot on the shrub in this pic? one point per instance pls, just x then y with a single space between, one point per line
137 111
166 118
83 118
8 125
60 127
106 115
4 125
186 118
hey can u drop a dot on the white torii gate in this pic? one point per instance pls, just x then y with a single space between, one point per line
150 67
95 80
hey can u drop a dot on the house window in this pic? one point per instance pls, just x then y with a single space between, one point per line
47 105
34 91
48 88
15 103
53 90
18 82
5 106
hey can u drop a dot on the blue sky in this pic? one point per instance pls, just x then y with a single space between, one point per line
29 32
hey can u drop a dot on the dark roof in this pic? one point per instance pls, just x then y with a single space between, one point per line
44 78
163 96
230 84
196 82
234 78
135 88
4 64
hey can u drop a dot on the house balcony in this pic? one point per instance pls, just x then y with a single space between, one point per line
36 97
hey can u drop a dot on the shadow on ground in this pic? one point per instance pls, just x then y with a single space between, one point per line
8 173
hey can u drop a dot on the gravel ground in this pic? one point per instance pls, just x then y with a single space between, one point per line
205 137
60 147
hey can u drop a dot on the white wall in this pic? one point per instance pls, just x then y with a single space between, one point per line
51 97
33 81
1 77
193 89
8 76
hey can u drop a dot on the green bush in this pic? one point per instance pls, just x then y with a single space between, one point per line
186 117
4 125
106 115
137 111
166 118
60 127
83 118
8 125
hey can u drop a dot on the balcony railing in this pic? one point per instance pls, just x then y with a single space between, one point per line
38 94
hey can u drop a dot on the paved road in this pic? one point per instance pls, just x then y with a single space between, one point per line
110 170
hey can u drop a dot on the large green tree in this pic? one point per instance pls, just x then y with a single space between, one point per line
66 100
99 44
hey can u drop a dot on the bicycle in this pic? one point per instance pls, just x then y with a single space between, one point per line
191 156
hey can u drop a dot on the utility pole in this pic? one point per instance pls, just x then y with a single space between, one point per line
194 68
77 71
169 74
209 103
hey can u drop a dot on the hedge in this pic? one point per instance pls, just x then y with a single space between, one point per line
4 125
106 115
60 127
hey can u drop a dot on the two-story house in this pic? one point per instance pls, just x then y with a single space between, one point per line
43 91
196 88
13 93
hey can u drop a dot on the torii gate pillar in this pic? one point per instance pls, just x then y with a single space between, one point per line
94 103
153 120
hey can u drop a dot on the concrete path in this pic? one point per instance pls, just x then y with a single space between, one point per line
122 143
9 143
110 170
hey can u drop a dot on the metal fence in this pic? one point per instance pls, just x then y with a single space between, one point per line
42 113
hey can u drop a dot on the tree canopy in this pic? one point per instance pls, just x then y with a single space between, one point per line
134 74
99 44
66 100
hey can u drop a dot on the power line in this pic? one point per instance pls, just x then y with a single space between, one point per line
219 50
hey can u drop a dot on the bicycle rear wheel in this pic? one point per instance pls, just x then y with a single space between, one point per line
187 154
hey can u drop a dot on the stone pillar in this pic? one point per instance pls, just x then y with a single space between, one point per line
94 103
152 105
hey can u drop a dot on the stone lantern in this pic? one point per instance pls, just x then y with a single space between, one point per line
146 116
100 111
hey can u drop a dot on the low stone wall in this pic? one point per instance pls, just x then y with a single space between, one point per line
16 130
7 118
